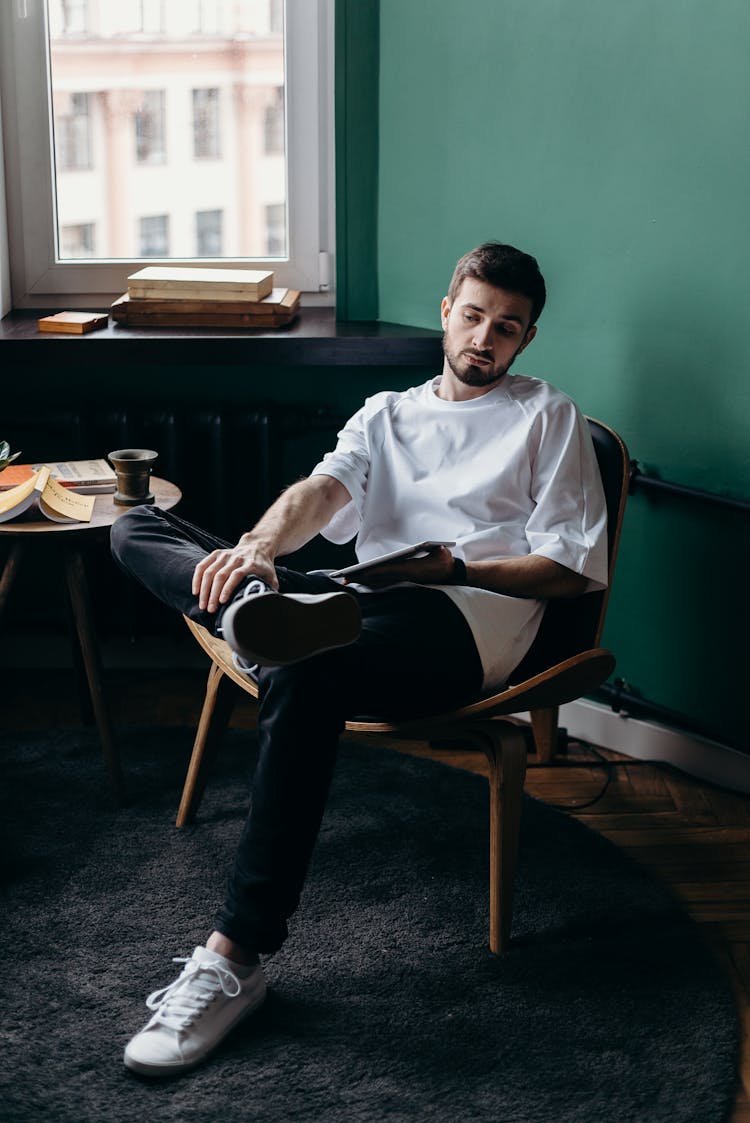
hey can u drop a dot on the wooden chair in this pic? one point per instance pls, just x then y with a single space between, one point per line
563 663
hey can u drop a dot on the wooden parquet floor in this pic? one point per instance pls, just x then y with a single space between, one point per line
692 836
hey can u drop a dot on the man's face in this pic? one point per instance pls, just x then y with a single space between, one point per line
484 328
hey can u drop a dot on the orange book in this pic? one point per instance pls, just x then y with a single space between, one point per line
75 323
15 474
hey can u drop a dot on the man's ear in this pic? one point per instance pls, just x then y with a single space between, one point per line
445 311
529 336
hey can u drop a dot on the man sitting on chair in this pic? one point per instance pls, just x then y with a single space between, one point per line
500 465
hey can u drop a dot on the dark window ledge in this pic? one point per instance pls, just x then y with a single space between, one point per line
315 338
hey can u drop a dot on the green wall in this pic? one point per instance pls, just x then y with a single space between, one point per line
610 140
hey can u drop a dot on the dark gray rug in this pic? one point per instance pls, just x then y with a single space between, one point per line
385 1003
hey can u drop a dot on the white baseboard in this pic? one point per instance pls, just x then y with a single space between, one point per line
647 740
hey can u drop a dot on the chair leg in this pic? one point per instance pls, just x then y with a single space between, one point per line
504 745
506 753
544 725
221 694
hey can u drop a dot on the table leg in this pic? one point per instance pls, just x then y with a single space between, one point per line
10 569
80 603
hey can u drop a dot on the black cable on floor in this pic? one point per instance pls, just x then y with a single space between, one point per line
608 764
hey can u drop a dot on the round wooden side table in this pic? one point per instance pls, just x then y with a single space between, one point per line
71 538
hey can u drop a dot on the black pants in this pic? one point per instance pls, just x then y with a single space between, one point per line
415 655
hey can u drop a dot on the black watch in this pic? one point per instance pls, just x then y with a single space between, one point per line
458 576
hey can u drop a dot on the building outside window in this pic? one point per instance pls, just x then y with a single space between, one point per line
150 128
73 132
206 124
154 235
208 233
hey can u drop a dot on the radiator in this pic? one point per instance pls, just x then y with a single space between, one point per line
229 462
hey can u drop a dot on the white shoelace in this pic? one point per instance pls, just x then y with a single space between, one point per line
178 1004
255 588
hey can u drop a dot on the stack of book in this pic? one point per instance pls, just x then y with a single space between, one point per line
51 489
90 477
181 297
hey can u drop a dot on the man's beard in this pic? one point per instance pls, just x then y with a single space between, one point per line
472 375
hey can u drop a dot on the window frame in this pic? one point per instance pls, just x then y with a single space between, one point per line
38 279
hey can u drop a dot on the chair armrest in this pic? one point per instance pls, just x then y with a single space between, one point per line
562 683
566 681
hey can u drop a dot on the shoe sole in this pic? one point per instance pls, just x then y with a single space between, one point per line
275 630
161 1070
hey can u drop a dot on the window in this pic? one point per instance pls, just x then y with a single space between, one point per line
206 124
73 16
77 241
208 233
275 229
165 125
154 235
151 16
72 132
143 17
204 17
273 131
150 131
276 16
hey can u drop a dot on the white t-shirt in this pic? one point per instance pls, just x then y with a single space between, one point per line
510 473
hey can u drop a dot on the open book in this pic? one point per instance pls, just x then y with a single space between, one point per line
52 500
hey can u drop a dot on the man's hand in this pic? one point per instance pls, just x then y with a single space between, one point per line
218 576
435 568
296 517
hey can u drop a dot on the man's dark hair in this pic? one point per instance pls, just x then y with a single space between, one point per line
504 267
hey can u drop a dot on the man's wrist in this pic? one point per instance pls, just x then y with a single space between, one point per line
260 545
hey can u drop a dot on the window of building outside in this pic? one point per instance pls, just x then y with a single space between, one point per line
151 16
276 19
204 18
153 235
275 227
73 16
78 241
72 125
208 233
150 128
206 124
182 130
274 140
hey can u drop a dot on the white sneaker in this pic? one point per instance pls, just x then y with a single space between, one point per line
193 1014
275 629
